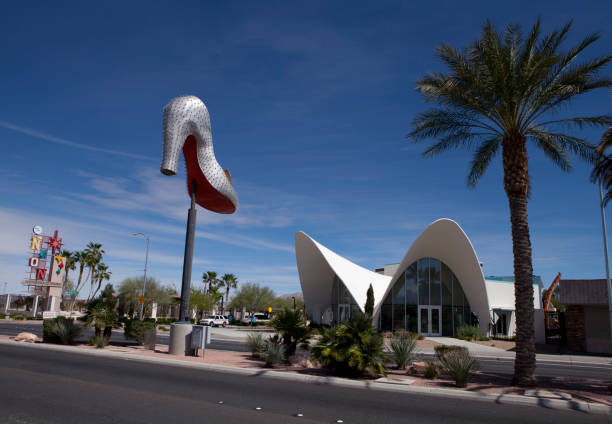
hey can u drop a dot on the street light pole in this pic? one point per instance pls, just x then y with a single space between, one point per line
605 243
144 282
293 297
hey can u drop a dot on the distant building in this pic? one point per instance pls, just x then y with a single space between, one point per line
438 287
586 310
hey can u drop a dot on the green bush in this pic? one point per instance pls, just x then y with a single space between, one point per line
31 318
469 332
352 349
256 343
165 321
431 371
274 352
2 315
442 350
459 365
49 335
484 339
134 329
18 316
163 328
403 347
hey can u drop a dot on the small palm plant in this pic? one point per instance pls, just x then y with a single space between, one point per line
352 348
292 328
403 347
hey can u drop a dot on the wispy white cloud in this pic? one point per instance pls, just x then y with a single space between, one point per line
58 140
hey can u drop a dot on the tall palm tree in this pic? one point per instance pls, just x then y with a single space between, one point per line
229 281
101 274
503 91
94 254
69 264
80 257
210 278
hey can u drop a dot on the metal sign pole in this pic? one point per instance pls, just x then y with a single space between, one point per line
188 260
605 242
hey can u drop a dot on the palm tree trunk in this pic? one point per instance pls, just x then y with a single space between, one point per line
77 289
516 184
227 295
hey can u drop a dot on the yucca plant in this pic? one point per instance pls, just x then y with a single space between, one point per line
403 347
503 93
459 365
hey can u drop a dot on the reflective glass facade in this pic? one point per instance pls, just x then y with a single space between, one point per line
426 282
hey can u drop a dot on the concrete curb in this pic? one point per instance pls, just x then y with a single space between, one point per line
559 404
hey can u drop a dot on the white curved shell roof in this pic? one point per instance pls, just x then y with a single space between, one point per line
317 266
443 240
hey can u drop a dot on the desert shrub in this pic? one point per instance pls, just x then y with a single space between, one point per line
352 349
274 351
66 330
18 316
256 343
431 371
459 364
134 329
403 347
61 330
469 332
442 350
98 341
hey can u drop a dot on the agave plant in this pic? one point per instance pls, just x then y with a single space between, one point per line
66 330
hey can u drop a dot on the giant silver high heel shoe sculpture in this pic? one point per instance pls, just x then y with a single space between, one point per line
186 127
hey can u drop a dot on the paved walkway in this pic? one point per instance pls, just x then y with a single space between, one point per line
474 348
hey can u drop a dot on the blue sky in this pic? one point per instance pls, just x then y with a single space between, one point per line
310 103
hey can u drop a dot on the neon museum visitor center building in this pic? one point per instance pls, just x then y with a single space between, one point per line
438 286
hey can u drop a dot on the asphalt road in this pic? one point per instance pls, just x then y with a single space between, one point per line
501 365
42 386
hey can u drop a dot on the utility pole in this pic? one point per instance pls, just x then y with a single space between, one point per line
293 297
144 282
605 243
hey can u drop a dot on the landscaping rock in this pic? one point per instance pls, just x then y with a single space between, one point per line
301 360
26 337
417 368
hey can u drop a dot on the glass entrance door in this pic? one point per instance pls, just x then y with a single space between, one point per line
344 313
430 320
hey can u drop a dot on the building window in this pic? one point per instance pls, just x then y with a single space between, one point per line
426 282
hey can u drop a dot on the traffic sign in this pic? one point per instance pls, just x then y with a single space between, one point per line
141 299
269 309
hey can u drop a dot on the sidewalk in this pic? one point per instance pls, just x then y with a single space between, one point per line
482 351
244 364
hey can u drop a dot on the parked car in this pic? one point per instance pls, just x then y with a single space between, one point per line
215 321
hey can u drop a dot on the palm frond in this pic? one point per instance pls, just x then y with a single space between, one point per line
554 152
576 145
481 160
